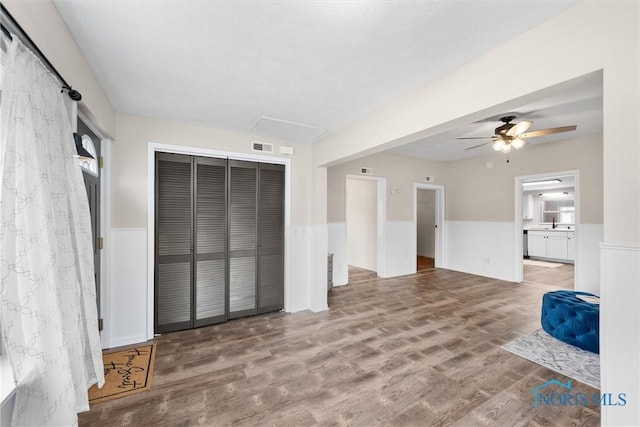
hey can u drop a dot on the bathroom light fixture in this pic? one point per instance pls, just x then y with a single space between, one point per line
545 181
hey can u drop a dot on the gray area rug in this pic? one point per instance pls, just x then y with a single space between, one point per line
545 350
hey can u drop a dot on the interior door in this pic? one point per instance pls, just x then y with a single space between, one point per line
271 238
92 185
174 243
243 236
210 240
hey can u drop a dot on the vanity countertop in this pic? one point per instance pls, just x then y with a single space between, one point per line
551 229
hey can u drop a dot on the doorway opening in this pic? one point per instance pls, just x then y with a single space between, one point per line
547 218
428 219
365 216
426 229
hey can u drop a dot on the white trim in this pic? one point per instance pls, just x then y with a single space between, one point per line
105 256
440 244
105 229
381 204
619 247
518 188
152 148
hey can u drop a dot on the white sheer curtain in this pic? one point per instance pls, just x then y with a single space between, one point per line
47 291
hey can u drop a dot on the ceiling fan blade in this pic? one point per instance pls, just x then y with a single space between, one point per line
518 128
480 137
477 146
543 132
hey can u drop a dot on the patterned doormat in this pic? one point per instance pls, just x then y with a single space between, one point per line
126 372
545 350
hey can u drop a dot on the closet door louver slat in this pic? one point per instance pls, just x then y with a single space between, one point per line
242 238
271 238
210 241
173 243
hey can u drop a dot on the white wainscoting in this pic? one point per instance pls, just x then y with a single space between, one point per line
620 331
132 303
400 249
127 320
470 244
482 248
317 282
486 248
337 245
398 246
299 268
587 276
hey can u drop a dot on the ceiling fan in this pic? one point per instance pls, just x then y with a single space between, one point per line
514 135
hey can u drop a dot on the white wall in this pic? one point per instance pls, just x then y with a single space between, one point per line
481 247
130 215
398 234
41 21
589 37
337 245
426 220
362 223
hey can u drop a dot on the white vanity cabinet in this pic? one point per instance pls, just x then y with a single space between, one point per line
555 244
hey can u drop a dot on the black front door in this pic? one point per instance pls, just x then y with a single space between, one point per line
92 184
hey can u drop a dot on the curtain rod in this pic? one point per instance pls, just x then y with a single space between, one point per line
73 94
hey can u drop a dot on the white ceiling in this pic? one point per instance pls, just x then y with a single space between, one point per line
577 102
294 70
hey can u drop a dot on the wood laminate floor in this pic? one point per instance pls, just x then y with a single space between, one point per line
424 263
560 277
417 350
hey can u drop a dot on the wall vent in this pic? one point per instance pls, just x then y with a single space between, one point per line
428 179
366 171
289 151
263 147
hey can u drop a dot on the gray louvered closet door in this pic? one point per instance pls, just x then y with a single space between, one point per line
210 240
173 235
243 238
219 240
271 238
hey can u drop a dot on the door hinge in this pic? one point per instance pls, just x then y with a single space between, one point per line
101 162
100 324
100 243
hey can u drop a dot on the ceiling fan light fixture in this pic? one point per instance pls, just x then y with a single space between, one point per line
518 143
499 145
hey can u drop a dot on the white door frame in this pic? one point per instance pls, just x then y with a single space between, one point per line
517 250
440 243
154 147
381 203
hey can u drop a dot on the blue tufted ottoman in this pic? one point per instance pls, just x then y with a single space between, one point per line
572 320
